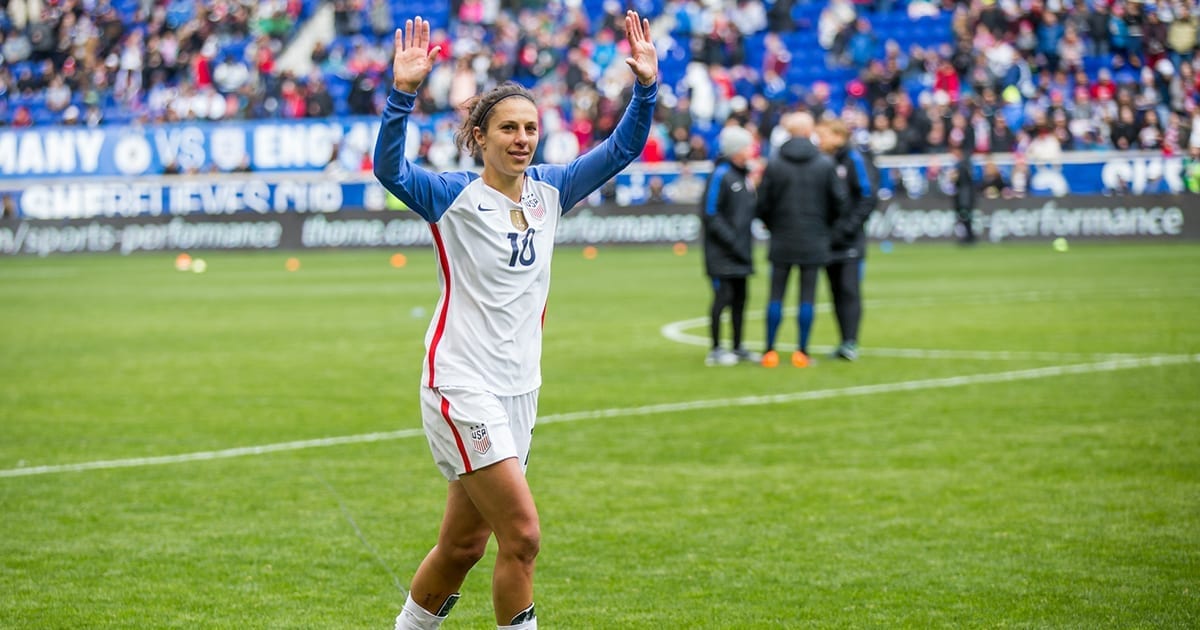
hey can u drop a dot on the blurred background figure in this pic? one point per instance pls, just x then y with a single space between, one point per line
727 211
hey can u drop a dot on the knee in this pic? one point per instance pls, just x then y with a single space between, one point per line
467 552
523 542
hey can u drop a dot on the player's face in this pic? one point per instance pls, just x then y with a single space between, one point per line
511 137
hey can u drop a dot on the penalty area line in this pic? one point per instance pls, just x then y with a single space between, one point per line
1112 365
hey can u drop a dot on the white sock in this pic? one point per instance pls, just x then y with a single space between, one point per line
526 620
528 625
413 617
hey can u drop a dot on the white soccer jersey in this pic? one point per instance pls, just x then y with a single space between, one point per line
493 254
494 268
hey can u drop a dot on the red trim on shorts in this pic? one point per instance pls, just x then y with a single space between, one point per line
444 265
543 315
462 449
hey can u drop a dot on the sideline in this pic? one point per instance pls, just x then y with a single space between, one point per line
1111 365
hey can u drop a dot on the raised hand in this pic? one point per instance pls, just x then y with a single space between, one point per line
643 58
413 60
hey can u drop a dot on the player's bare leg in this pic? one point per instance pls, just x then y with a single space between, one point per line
501 494
462 541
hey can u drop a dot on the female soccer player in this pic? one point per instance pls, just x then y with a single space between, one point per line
493 235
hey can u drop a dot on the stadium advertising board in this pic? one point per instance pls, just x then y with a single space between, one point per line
302 230
135 151
916 177
1154 217
1077 174
304 146
1147 217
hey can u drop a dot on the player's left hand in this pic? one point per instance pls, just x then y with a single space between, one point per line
643 58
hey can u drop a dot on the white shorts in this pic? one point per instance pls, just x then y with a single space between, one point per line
469 429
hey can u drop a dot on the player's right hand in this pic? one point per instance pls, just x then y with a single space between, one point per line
413 59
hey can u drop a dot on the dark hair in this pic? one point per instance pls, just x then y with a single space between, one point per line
478 109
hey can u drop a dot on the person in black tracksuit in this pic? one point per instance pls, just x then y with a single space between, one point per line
849 245
726 210
800 199
964 194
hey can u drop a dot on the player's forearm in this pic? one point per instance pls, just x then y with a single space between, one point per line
590 170
392 168
389 146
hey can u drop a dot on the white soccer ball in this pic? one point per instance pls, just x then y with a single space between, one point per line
199 266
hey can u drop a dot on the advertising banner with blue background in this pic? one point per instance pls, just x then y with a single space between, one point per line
134 151
262 167
920 176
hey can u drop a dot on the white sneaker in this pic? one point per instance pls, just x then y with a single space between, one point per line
746 356
720 357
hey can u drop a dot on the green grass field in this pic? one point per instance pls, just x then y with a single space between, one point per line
1019 446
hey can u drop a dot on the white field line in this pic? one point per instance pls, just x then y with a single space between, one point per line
740 401
676 331
208 455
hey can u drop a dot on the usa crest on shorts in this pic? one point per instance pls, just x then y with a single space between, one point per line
480 441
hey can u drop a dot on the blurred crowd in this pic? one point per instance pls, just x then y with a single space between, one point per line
80 61
1035 77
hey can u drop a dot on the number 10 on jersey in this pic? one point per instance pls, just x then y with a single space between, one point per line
522 248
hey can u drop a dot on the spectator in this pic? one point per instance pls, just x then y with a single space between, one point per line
1182 36
1135 32
58 94
292 100
1098 29
993 184
996 66
1044 147
361 100
779 17
883 137
1118 31
1071 50
318 100
1049 34
230 75
863 45
833 19
382 24
1150 136
1191 170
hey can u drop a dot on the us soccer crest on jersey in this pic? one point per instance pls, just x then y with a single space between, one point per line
534 207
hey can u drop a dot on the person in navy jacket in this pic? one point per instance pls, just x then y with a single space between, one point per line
848 246
727 210
493 235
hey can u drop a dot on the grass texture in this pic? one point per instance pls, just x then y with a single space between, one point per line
1018 446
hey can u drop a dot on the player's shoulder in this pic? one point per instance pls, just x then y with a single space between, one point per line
471 189
549 174
722 171
548 180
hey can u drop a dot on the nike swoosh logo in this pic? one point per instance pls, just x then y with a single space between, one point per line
482 209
